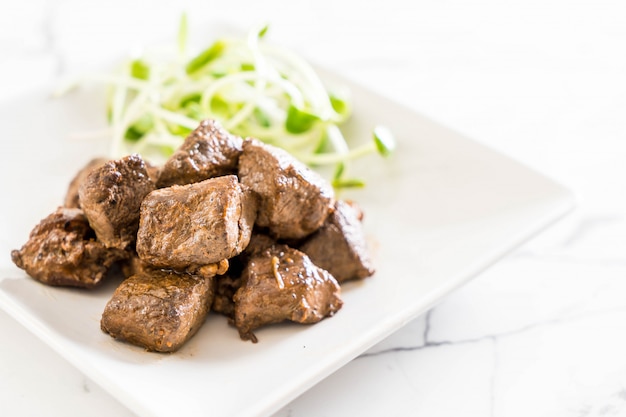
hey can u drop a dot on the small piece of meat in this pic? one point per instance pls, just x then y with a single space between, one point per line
111 197
209 151
295 200
339 246
158 309
196 224
228 284
225 288
281 283
62 251
71 197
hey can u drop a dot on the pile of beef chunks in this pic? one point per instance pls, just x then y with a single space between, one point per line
227 224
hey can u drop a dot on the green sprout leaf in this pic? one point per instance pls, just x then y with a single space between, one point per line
262 117
254 90
247 66
339 171
385 142
205 57
178 130
299 121
138 129
348 183
190 98
194 110
263 31
340 104
139 69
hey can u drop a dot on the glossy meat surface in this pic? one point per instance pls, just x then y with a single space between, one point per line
196 224
157 309
71 197
111 197
281 283
339 246
209 151
62 250
295 200
228 284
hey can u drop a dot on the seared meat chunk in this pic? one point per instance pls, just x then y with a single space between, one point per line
111 197
295 200
71 197
196 224
158 309
339 246
281 283
229 283
62 250
209 151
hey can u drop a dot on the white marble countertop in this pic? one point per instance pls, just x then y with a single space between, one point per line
542 332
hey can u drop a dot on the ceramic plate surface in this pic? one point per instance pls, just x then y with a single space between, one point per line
438 212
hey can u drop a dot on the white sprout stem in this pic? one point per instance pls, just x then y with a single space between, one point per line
163 137
337 139
334 158
133 110
269 135
278 79
177 118
210 92
117 109
259 83
296 142
318 91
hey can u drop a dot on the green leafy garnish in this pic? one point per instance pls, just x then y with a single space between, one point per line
340 104
263 31
348 183
385 143
205 57
299 121
253 88
138 129
139 70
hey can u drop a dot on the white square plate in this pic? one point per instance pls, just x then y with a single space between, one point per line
438 212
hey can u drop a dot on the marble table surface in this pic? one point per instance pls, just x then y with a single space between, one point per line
540 333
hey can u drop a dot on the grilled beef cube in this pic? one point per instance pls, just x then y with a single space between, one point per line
209 151
197 224
111 197
71 197
228 284
62 250
339 246
281 283
295 200
158 309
